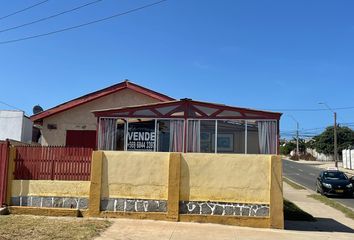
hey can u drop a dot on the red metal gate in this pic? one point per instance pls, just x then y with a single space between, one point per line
4 160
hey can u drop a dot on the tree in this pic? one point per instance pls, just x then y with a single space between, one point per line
287 146
324 143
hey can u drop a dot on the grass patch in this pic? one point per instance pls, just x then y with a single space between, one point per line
293 184
25 227
348 212
294 213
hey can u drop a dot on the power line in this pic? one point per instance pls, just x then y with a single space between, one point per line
4 103
309 109
22 10
49 17
311 131
84 24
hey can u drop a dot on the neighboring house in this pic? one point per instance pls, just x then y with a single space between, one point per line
73 124
15 125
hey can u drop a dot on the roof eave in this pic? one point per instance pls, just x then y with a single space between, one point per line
100 93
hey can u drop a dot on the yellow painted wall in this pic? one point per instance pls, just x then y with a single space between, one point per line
81 118
139 175
225 177
50 188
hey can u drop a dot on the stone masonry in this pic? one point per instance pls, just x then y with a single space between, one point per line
56 202
224 209
133 205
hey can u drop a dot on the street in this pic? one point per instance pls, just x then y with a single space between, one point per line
306 175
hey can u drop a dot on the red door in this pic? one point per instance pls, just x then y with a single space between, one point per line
81 138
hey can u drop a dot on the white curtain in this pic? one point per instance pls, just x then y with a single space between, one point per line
107 134
176 135
193 136
267 134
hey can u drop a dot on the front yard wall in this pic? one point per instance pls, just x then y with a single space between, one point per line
47 193
133 181
243 190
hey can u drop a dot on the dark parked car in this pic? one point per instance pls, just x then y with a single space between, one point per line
334 182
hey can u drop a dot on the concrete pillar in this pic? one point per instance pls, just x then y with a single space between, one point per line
174 186
95 186
276 193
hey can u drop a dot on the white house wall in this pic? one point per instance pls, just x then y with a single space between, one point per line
27 128
11 125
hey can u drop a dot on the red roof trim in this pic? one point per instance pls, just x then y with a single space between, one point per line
98 94
261 114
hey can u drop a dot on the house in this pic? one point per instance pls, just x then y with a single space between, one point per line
187 125
72 123
15 125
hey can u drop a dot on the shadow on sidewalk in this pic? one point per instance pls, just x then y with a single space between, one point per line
321 225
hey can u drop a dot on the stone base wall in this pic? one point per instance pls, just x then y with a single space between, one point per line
55 202
133 205
224 209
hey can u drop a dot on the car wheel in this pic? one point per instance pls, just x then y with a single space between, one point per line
318 191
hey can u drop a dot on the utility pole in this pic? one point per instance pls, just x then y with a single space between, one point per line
297 139
297 136
335 140
335 152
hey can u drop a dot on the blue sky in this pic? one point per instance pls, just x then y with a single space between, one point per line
258 54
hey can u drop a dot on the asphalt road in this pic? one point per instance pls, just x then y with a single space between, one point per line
306 174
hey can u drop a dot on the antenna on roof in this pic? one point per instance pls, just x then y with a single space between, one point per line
37 109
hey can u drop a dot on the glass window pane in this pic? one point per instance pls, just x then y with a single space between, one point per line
200 133
252 138
262 137
141 135
207 136
231 136
163 135
170 135
111 134
120 134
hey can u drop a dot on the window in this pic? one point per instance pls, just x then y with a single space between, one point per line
167 135
141 135
200 134
207 136
252 138
261 137
231 136
170 135
121 124
163 135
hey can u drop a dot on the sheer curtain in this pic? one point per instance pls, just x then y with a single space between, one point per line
107 134
176 135
193 136
267 134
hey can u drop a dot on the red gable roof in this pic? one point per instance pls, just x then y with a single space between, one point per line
98 94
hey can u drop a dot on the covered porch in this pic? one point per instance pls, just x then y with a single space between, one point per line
188 126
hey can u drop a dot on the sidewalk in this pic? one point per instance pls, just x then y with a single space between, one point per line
328 218
325 228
